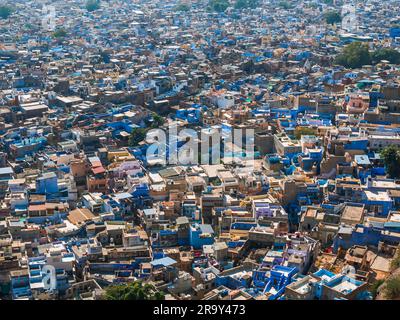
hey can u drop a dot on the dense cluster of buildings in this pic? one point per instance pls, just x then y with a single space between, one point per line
316 217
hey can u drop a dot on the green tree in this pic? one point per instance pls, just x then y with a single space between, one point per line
60 33
158 120
246 4
312 5
354 55
137 136
285 5
155 121
5 11
391 158
92 5
332 17
392 55
105 56
392 289
395 264
218 5
133 291
375 286
182 7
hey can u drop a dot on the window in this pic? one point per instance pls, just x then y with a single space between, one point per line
376 208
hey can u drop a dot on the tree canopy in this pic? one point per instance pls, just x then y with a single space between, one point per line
60 33
244 4
155 121
133 291
105 56
5 11
218 5
395 264
137 136
182 7
285 5
332 17
392 55
158 121
391 158
392 289
354 55
375 286
92 5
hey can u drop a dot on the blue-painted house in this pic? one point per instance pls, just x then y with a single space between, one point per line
200 235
